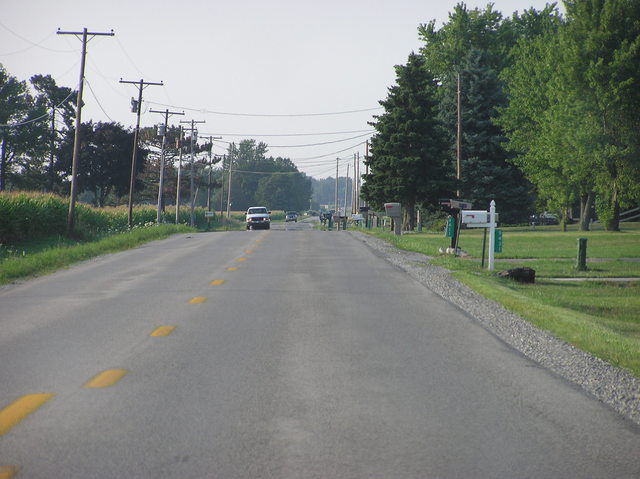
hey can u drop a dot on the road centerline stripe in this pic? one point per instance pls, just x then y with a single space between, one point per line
20 409
163 331
217 282
198 300
106 378
7 472
242 259
232 268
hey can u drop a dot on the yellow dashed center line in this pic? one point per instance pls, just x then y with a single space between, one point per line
19 409
242 259
232 268
7 472
248 251
217 282
106 378
163 331
198 300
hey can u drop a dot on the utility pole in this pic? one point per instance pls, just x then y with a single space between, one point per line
224 160
138 106
76 139
211 138
358 185
336 203
366 162
192 185
458 142
346 187
353 188
166 114
179 144
229 188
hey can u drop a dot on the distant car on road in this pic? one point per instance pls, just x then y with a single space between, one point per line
291 216
258 218
543 219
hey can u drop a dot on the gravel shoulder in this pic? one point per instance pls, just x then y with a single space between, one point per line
613 386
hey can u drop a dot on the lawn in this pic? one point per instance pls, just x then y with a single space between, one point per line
602 317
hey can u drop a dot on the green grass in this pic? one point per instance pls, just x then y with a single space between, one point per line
40 258
601 317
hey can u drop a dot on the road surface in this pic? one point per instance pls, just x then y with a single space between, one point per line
288 353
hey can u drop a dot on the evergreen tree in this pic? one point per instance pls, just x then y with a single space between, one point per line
408 151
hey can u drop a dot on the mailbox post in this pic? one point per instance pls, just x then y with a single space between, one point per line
482 219
394 210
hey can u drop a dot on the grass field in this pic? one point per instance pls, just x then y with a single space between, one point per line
602 317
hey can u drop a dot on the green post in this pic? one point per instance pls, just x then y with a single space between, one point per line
582 254
330 222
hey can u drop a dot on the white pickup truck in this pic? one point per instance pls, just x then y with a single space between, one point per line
258 217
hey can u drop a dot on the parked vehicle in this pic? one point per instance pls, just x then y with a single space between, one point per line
258 218
543 219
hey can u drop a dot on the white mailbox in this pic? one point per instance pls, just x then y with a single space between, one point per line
393 209
474 217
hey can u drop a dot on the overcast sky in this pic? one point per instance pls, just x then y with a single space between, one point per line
234 64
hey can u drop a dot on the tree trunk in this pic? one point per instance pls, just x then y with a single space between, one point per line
613 222
408 219
586 206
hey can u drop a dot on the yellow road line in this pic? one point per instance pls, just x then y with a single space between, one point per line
242 259
163 331
232 268
19 409
217 282
248 251
106 378
197 300
7 472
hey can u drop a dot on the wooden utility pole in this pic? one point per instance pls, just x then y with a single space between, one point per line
76 139
211 138
141 85
166 114
458 142
192 184
179 174
336 204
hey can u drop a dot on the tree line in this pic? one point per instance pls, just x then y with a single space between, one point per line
549 114
36 148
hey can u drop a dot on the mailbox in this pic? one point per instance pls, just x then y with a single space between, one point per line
393 209
474 216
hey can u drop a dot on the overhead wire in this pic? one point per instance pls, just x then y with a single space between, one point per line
308 144
97 101
33 120
31 43
269 115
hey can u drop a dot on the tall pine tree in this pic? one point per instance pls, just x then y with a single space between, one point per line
408 152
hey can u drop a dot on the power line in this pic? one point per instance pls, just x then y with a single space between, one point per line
40 117
310 144
31 43
256 135
270 115
97 101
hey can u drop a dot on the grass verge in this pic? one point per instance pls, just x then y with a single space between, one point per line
600 317
61 255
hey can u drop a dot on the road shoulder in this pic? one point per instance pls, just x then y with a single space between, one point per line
613 386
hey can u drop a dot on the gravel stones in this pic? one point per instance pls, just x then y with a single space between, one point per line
613 386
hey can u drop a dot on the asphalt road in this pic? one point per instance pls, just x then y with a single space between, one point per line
288 353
